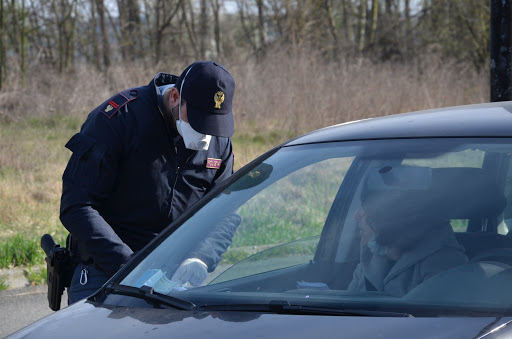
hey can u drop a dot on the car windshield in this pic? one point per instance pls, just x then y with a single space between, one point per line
419 226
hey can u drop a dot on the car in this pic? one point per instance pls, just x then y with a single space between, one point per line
396 226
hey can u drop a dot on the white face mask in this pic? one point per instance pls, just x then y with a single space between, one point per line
193 140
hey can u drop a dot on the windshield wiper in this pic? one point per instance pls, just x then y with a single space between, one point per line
283 307
147 293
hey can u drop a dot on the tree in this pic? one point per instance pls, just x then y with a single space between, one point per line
129 22
162 15
189 22
2 44
203 29
216 7
100 9
65 20
56 31
23 67
247 25
93 36
361 26
457 29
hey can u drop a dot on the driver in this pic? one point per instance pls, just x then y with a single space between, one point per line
402 243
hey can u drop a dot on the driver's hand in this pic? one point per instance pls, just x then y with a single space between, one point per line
192 270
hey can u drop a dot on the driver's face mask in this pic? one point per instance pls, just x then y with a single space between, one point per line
377 248
193 140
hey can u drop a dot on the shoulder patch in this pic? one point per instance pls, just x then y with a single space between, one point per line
114 104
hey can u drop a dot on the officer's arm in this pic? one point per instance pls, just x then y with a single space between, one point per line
215 244
87 182
208 252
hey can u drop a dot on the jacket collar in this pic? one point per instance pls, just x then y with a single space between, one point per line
162 79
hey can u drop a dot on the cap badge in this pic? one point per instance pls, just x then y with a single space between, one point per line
218 98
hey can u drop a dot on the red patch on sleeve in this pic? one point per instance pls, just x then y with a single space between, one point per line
213 163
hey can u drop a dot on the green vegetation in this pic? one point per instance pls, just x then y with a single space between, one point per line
18 251
235 255
36 275
23 250
32 160
279 213
300 248
3 284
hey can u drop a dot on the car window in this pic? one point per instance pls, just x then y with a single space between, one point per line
412 225
283 199
467 158
293 208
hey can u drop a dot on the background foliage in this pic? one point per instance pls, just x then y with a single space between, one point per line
61 34
299 65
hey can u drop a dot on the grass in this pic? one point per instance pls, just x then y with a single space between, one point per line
278 215
3 283
19 251
36 275
23 250
32 160
300 248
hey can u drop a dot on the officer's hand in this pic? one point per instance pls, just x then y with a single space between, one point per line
192 270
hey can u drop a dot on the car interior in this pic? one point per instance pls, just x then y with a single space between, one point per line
456 193
472 194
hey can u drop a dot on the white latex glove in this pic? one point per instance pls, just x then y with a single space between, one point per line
192 270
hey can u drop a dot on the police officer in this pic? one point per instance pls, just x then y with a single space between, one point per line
141 159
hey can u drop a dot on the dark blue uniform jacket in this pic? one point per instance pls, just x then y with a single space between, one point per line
130 175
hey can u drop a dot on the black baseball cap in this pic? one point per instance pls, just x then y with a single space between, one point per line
208 89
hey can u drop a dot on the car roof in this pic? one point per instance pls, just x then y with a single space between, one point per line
478 120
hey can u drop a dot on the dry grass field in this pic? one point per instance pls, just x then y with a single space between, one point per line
278 98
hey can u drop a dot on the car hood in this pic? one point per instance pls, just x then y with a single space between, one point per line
90 320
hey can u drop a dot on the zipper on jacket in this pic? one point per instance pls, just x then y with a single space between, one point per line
176 177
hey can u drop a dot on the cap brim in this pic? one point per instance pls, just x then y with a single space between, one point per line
220 125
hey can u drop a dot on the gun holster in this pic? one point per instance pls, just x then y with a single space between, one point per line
60 267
